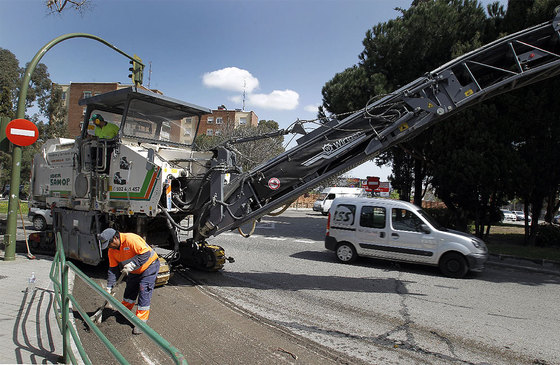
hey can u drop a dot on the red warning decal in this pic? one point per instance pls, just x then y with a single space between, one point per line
274 183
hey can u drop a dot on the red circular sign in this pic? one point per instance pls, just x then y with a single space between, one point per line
22 132
373 182
274 183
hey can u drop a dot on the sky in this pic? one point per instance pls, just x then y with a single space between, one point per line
278 53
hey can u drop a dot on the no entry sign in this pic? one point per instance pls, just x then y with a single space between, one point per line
22 132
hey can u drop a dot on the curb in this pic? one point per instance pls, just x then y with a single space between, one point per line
532 265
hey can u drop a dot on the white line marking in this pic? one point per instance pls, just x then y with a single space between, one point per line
22 132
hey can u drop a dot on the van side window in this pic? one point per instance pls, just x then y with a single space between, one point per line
372 217
344 215
405 220
331 196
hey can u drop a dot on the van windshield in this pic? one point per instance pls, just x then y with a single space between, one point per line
431 220
322 196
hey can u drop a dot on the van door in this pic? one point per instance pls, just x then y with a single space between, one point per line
371 232
328 202
408 240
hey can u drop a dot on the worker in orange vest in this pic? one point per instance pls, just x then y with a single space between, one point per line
131 255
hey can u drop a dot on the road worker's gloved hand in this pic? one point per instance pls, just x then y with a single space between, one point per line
109 289
128 268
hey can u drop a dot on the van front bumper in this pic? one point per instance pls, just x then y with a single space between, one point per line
477 261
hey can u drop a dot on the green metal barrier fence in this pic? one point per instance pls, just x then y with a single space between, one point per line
59 277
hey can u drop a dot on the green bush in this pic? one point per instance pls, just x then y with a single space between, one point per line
548 236
442 215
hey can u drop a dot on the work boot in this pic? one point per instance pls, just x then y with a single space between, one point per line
136 330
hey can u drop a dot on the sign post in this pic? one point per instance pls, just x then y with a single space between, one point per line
21 132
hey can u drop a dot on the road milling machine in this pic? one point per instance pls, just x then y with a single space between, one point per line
148 178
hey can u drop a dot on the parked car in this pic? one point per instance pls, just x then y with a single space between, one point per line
399 231
323 203
520 215
40 218
508 216
22 193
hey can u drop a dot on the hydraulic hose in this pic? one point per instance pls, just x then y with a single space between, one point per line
172 221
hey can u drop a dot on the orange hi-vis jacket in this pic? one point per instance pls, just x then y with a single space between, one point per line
133 249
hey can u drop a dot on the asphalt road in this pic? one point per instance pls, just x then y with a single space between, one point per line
287 300
369 309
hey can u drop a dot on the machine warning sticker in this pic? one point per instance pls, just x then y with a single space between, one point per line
274 183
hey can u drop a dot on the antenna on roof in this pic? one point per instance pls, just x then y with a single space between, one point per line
244 86
150 74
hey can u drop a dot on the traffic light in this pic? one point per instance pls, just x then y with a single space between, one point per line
136 71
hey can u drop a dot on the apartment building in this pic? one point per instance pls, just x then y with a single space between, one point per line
222 118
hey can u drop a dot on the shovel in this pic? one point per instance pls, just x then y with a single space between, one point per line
29 255
97 317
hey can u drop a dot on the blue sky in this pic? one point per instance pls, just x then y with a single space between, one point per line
206 52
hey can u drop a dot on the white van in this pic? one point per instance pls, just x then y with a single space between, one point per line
400 231
323 203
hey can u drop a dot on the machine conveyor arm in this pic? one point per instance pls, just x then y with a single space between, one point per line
509 63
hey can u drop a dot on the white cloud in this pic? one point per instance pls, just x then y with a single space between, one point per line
232 79
313 108
236 99
278 99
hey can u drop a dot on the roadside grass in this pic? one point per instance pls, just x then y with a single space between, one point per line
509 240
4 207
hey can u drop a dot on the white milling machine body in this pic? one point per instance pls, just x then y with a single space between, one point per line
125 182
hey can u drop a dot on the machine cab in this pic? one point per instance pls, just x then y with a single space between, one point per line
141 117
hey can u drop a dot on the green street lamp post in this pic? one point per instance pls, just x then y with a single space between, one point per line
11 226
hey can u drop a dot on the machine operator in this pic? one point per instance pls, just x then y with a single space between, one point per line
103 130
131 255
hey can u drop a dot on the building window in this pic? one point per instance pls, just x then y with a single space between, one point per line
210 120
64 95
218 132
219 120
87 94
187 125
209 132
242 120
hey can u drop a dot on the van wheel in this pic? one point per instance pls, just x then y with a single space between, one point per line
39 223
324 213
346 253
454 265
